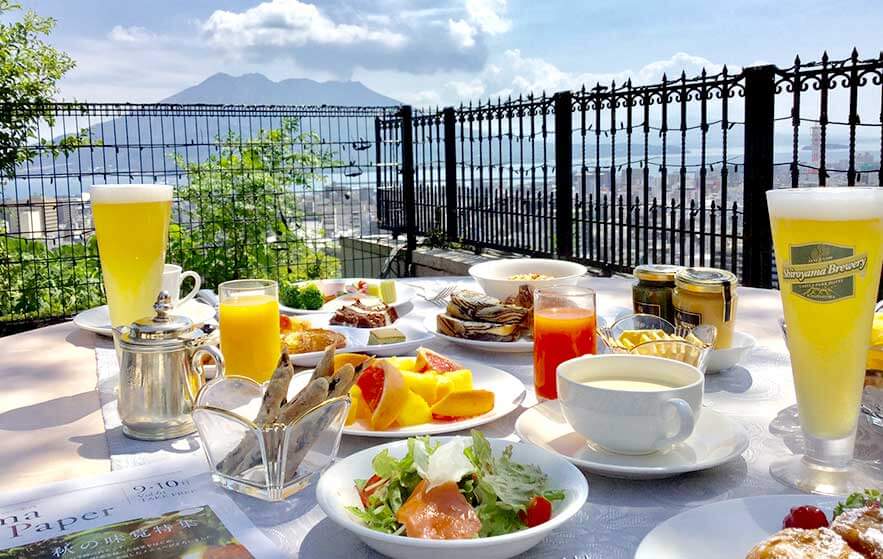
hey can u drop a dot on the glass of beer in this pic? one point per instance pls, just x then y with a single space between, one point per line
828 256
249 324
563 328
132 226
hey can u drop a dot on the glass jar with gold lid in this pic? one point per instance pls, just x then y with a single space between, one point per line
652 293
707 296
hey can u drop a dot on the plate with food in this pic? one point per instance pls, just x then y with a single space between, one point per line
503 278
330 295
470 496
307 337
479 321
773 527
423 394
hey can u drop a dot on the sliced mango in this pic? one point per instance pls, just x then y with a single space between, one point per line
464 404
404 363
354 359
392 400
424 384
415 411
460 380
358 406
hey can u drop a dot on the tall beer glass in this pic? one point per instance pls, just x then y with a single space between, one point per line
828 256
132 225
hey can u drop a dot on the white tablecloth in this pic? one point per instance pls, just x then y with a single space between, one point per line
619 513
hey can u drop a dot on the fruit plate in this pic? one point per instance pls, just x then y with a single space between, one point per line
508 395
724 530
402 304
357 342
336 491
523 345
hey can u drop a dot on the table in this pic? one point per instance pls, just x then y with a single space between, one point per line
50 420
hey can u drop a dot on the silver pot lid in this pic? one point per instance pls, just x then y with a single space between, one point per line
160 329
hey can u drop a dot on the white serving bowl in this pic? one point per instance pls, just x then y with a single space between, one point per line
721 359
336 491
493 276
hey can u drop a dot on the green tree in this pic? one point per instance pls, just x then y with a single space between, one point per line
243 210
29 71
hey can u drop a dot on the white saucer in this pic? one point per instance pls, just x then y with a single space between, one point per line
98 319
716 439
724 530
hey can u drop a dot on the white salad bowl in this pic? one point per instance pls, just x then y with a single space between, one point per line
336 490
493 276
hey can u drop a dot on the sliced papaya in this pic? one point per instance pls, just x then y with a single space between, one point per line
428 360
354 359
464 404
415 411
392 399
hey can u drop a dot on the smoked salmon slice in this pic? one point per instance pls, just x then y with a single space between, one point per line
442 513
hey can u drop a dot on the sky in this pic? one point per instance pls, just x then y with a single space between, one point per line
439 53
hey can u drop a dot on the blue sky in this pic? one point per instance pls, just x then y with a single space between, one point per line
439 52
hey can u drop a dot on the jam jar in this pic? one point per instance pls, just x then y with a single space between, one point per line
707 296
652 293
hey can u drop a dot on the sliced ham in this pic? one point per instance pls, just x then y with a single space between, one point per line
442 513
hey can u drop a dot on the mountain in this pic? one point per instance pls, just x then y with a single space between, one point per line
257 89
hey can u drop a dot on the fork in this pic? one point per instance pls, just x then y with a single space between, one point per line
439 298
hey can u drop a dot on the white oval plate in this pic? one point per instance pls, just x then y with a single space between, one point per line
508 395
336 490
716 439
98 319
402 304
357 342
721 359
724 530
519 346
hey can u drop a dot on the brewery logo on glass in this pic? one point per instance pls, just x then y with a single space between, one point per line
823 272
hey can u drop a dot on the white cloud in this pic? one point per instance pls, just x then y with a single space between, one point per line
282 23
488 15
462 32
130 34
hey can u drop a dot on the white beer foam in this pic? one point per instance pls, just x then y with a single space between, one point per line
129 193
826 203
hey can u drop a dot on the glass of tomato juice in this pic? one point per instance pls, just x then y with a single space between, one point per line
563 328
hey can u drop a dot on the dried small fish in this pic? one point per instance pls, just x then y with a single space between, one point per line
483 331
473 306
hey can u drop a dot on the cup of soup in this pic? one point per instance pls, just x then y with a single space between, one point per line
630 404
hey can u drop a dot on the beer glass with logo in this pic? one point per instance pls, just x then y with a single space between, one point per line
132 226
828 255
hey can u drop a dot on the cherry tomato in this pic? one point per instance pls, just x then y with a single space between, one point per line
284 323
371 384
538 511
807 517
367 491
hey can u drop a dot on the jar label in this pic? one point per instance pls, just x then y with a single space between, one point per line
648 308
822 272
687 317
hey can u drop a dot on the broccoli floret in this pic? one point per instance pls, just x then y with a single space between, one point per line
291 295
311 298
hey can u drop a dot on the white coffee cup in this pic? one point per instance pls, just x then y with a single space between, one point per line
172 277
627 417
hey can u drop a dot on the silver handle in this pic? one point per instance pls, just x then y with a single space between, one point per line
197 370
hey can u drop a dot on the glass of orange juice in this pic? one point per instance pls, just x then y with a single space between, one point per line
563 328
249 324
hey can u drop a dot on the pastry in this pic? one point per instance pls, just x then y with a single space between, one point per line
797 543
313 339
862 528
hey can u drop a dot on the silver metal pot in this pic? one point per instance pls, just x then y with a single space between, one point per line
161 372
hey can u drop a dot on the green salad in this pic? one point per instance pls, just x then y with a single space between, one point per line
454 490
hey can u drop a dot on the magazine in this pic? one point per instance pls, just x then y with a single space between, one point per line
147 512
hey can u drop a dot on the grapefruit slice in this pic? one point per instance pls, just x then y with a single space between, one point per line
428 360
442 513
392 399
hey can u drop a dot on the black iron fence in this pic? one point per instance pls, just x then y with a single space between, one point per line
281 192
618 175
